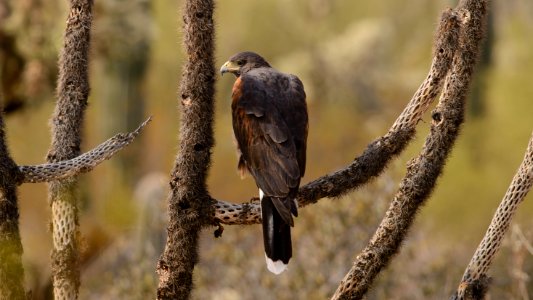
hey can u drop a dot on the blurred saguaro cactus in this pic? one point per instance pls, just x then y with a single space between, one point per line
122 35
27 52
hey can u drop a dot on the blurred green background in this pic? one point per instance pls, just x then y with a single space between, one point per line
360 62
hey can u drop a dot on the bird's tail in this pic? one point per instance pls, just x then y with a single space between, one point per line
276 236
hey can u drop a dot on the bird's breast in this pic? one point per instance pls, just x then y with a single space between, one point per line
236 91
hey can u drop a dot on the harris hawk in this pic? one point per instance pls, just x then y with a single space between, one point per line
270 124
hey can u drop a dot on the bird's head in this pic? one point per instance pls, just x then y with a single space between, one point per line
243 62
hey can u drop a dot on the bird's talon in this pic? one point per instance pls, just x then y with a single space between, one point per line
218 232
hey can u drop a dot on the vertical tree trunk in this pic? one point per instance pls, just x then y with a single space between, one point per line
190 206
72 90
11 270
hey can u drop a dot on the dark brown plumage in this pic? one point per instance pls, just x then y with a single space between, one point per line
270 123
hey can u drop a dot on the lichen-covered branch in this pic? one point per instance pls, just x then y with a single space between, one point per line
380 152
11 270
67 121
80 164
423 171
190 206
475 281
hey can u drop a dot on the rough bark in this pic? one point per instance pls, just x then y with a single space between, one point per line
72 92
190 205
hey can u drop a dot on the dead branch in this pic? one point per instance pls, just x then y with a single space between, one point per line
423 171
80 164
190 206
475 281
379 153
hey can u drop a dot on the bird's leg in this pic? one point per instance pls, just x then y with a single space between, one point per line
218 232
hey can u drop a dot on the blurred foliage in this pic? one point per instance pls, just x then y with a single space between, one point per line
35 32
122 35
360 62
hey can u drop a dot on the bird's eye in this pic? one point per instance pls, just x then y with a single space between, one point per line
240 62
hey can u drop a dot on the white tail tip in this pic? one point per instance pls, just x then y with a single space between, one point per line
277 267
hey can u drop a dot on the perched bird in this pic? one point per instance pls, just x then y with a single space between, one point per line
270 123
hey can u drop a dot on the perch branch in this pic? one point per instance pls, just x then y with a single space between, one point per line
81 164
475 281
423 171
380 152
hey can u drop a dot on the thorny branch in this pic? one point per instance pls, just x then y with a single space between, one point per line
475 281
423 171
80 164
189 202
67 125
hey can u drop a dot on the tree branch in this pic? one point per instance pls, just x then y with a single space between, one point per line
11 270
190 206
67 121
379 153
80 164
475 281
423 171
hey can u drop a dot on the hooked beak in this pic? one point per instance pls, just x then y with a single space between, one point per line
230 67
